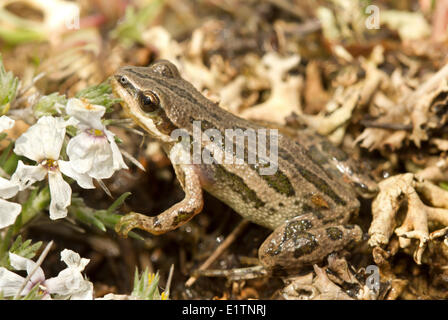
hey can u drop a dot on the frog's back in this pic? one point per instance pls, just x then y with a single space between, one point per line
299 186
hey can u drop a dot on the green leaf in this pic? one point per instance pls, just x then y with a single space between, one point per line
37 202
49 105
8 88
443 185
102 219
15 30
99 94
136 21
25 249
10 164
146 286
117 203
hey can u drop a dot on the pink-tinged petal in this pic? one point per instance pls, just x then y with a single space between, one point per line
10 282
8 213
60 193
22 263
83 180
26 175
67 282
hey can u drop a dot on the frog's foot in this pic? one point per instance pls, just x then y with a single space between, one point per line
173 217
419 215
128 222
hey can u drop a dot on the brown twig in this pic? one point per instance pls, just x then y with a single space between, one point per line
221 248
384 125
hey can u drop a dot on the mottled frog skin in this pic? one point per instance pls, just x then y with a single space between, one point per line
307 203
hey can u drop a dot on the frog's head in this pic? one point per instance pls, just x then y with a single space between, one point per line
150 96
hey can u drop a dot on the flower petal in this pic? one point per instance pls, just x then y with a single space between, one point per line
25 175
118 158
61 194
44 139
83 180
8 213
92 155
8 188
6 123
22 263
88 114
10 282
70 282
73 260
81 151
66 282
85 292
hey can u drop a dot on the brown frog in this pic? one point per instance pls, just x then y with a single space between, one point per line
302 194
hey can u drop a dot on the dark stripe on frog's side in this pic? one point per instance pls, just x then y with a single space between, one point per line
277 181
237 185
312 178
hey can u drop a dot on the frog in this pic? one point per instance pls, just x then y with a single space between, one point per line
307 202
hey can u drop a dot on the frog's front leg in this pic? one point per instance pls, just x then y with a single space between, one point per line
174 217
297 243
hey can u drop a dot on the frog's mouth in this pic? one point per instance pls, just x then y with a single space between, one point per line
133 111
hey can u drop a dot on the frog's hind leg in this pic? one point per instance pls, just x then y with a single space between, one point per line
295 244
174 217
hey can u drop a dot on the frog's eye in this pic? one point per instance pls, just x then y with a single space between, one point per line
123 80
149 101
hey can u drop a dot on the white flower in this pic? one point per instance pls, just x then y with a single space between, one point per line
6 123
93 151
10 282
69 283
8 210
42 143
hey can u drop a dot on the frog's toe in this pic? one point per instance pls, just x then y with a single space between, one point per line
126 224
